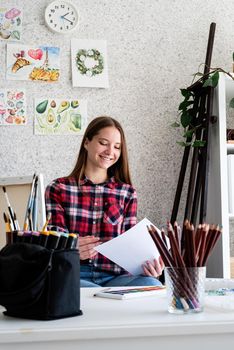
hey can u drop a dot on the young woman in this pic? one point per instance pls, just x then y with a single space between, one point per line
97 201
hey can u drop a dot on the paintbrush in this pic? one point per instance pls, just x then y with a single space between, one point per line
11 212
29 204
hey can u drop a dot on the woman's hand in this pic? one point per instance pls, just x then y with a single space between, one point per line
86 245
153 269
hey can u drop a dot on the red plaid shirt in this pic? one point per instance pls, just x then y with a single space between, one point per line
105 210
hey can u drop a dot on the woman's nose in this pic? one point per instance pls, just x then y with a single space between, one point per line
109 149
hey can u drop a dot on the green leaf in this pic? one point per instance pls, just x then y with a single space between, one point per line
189 133
15 34
215 79
212 80
183 144
231 103
186 93
199 143
175 125
185 119
208 82
183 105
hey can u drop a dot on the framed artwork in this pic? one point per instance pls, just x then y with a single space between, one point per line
12 107
10 23
89 63
33 63
60 117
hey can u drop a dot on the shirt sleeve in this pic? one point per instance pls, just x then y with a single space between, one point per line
54 207
130 211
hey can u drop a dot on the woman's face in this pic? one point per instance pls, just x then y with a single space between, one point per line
104 149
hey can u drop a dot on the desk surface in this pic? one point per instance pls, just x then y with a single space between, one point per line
134 322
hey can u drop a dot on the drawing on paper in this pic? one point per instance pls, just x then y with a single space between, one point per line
56 116
89 63
33 63
12 107
10 23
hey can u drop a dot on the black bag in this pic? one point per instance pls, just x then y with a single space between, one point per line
38 283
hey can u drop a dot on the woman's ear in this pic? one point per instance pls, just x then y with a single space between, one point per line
86 143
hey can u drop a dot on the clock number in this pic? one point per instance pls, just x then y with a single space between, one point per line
62 6
56 7
53 11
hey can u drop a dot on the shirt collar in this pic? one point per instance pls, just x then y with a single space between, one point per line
109 183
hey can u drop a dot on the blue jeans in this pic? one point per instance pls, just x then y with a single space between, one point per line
89 278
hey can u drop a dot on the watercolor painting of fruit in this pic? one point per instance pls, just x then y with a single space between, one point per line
10 23
57 116
12 107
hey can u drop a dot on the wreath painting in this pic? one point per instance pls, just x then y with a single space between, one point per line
89 63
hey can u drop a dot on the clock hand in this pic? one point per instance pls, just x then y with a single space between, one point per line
68 20
65 15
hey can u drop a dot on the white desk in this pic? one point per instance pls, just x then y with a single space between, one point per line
109 324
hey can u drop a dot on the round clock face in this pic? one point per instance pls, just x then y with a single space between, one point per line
61 17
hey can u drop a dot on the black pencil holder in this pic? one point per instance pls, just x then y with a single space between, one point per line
38 283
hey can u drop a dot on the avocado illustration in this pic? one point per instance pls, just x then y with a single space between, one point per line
50 118
75 104
41 107
63 106
76 121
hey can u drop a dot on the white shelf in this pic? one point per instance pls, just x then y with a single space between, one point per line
217 200
230 147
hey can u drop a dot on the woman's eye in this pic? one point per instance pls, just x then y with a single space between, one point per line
103 143
117 147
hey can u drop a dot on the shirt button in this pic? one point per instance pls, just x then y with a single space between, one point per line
94 222
95 203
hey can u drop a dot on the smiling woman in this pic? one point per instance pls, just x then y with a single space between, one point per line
97 200
103 151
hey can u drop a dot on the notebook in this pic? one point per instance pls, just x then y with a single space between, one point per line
129 293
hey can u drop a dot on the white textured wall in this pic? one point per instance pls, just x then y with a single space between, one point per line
154 46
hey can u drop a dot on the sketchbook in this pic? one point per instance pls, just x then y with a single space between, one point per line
129 293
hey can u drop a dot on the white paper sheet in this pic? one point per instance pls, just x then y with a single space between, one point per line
131 249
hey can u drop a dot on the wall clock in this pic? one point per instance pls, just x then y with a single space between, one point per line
61 16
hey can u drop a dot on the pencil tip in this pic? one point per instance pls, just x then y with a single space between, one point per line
4 188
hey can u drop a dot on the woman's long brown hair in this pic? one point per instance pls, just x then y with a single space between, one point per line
120 170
